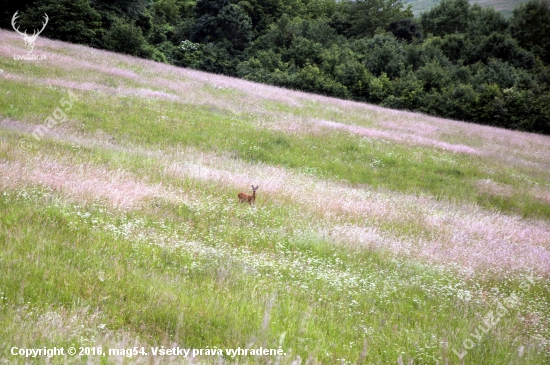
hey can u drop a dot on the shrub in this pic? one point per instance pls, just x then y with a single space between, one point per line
125 38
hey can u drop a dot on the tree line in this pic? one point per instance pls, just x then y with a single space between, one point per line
456 60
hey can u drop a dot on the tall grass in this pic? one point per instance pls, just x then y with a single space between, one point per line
371 241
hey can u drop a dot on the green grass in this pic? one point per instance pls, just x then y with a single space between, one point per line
191 267
213 298
336 155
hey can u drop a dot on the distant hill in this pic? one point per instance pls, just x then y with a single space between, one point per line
504 6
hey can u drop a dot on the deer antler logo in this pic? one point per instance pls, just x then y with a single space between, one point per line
29 39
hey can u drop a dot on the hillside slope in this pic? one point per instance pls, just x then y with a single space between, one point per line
377 236
503 6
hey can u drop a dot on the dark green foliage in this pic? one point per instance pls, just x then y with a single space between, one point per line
263 68
456 60
341 24
407 92
502 74
166 11
228 25
460 103
450 16
145 22
501 46
385 54
405 29
187 54
321 8
182 30
484 21
236 26
433 77
128 8
217 59
205 29
490 108
380 88
355 78
310 78
454 46
71 21
279 36
365 16
530 25
262 13
9 7
539 121
319 31
428 51
124 37
210 7
303 51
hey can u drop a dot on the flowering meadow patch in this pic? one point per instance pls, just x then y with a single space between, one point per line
83 182
377 236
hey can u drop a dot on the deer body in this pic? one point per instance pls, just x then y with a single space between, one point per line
248 198
29 39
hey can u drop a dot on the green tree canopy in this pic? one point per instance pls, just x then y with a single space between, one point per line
450 16
365 16
530 25
72 21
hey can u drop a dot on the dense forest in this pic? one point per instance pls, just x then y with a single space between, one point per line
456 60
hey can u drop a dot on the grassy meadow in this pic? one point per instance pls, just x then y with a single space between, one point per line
377 237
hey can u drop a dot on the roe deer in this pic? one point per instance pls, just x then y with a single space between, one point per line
248 198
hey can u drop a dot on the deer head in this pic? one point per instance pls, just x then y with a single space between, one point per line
29 39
